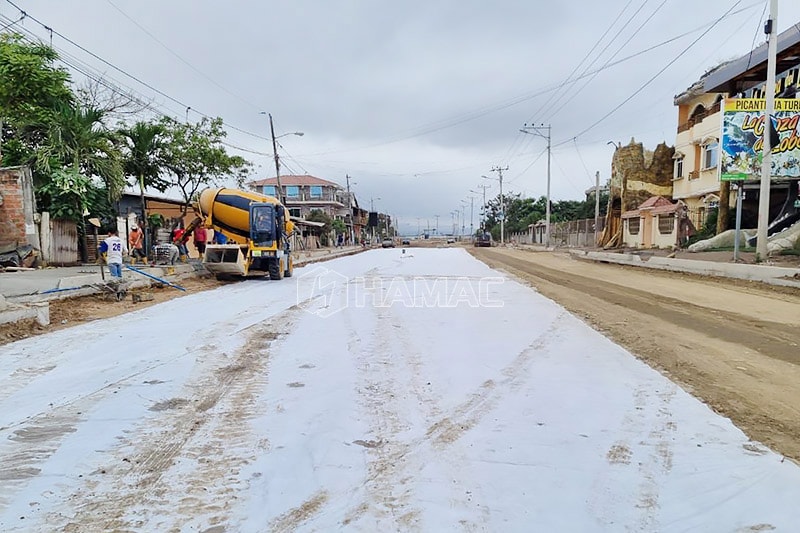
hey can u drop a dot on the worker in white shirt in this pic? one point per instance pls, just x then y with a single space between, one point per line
115 249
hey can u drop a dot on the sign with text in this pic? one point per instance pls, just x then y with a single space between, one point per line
743 139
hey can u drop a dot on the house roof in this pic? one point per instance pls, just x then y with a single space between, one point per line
154 198
655 205
751 69
296 180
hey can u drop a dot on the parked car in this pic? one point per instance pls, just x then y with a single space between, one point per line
484 239
451 240
387 243
406 242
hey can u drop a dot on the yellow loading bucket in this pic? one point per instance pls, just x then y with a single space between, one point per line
225 259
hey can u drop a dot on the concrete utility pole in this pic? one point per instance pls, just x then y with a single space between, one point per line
350 209
537 130
372 210
483 206
437 224
770 28
281 195
499 171
471 217
596 206
463 215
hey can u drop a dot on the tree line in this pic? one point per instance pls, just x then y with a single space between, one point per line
84 149
521 212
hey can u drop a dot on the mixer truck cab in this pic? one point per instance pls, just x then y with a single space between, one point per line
258 231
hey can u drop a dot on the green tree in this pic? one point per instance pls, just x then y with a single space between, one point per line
143 161
317 215
77 139
339 226
32 89
195 155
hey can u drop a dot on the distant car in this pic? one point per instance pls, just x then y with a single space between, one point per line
406 242
451 241
387 243
484 239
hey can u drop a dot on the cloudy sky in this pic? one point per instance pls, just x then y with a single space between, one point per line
415 100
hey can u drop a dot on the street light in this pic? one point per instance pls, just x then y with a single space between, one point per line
282 196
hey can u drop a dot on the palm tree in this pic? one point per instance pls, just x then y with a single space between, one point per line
78 142
77 139
143 160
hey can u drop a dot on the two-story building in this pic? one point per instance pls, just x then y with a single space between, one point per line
696 179
695 176
305 193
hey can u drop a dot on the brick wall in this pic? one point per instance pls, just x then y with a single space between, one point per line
16 212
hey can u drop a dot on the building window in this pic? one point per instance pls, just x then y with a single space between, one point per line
294 212
678 171
269 190
292 191
666 223
316 191
710 154
633 226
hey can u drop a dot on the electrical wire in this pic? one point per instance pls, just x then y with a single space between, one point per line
560 95
653 78
180 58
131 76
552 112
7 26
755 34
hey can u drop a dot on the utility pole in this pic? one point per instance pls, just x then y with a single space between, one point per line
770 28
463 215
596 205
483 206
350 209
538 130
499 171
281 195
372 210
471 217
437 224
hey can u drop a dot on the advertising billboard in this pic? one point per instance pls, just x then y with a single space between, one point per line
743 138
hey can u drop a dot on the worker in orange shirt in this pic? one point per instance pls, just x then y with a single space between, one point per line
136 245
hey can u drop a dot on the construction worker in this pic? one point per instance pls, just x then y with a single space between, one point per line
114 249
136 245
179 240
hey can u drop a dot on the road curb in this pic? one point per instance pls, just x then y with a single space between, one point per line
772 275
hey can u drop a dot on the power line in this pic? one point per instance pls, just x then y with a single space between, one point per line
552 112
535 117
131 76
649 81
180 58
755 34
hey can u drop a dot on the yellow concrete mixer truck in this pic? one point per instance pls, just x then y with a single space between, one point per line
257 228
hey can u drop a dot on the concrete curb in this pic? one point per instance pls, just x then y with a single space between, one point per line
772 275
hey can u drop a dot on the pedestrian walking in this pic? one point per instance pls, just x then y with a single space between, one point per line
114 249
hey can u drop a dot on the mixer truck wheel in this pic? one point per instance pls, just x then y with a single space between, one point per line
275 271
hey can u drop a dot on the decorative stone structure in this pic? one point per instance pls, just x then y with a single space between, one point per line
636 175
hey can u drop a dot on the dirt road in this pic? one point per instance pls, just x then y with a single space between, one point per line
734 345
